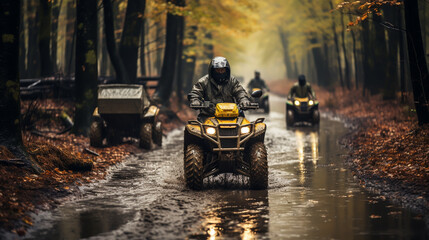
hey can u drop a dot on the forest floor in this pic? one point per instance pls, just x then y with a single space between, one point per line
68 161
388 150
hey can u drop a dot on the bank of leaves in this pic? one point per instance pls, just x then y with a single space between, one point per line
388 145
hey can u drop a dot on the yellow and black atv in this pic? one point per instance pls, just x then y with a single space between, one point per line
263 101
302 110
226 143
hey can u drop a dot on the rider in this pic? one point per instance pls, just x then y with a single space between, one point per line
301 89
257 82
218 86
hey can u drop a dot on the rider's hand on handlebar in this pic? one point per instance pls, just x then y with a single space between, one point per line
244 104
195 103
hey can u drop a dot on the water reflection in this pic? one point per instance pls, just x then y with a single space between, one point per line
307 141
242 214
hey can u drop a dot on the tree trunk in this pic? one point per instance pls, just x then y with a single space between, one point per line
417 58
190 60
144 49
380 68
45 9
70 38
33 35
290 73
366 55
158 55
10 105
121 72
337 48
130 40
355 59
346 60
168 71
179 58
86 64
55 17
320 64
391 81
22 48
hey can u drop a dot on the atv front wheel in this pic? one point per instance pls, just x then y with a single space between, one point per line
96 134
316 117
193 166
146 141
258 166
266 106
290 118
157 134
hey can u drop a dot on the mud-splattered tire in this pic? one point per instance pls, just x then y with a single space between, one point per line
193 166
96 134
146 141
157 134
316 117
258 166
290 118
266 106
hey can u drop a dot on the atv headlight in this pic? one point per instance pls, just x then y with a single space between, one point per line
245 130
310 102
297 102
211 131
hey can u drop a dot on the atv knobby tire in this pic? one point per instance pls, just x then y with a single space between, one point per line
316 117
258 166
157 134
290 118
193 166
266 106
96 134
146 141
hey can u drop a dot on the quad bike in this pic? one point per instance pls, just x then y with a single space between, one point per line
124 110
226 143
302 110
263 101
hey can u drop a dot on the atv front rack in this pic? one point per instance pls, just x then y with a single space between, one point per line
226 142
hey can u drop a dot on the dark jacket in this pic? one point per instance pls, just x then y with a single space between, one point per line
301 91
206 89
257 83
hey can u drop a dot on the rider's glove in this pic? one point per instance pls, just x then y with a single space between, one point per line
195 103
244 103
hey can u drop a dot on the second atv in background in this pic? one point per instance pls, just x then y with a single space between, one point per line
259 84
302 105
124 110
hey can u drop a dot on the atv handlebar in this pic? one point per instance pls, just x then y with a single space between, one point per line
251 106
205 105
208 104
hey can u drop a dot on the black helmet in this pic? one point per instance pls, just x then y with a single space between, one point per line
219 63
301 80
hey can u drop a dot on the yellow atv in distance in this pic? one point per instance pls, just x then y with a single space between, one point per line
302 110
226 143
263 101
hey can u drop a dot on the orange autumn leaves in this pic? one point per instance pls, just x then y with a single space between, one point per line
363 9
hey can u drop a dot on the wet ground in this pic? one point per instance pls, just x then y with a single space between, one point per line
311 195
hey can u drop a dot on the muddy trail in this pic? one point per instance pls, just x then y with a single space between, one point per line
311 195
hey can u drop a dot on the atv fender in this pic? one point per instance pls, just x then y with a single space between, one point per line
152 112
